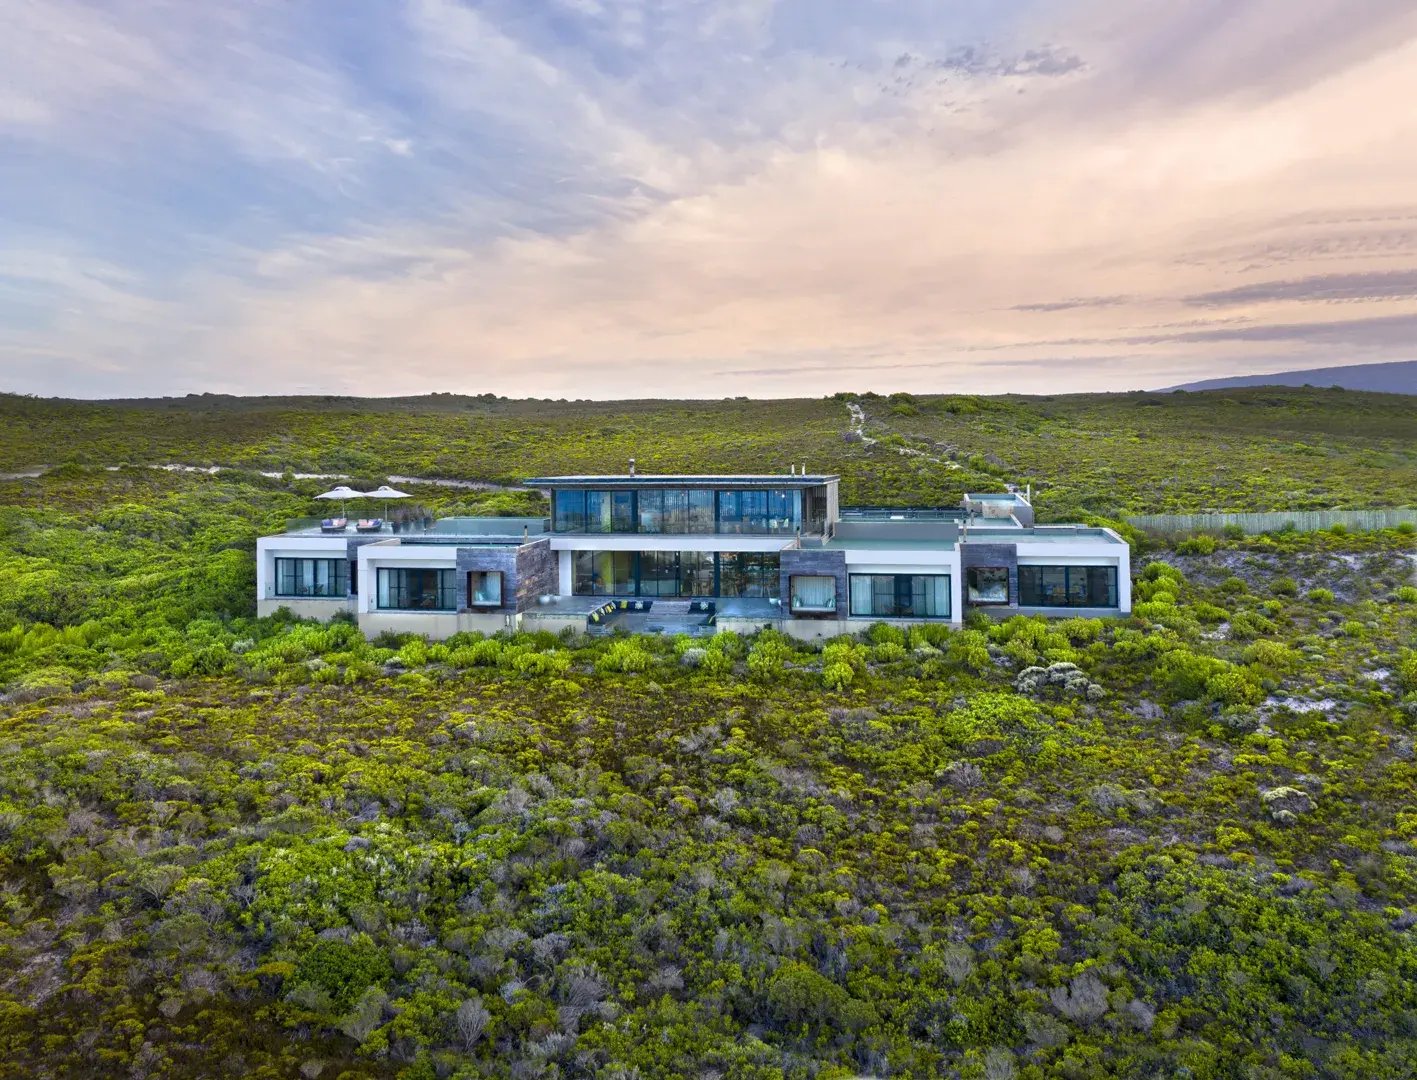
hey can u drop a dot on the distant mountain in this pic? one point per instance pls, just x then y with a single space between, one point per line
1397 377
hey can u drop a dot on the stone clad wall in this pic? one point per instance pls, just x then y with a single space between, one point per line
814 562
489 558
538 573
1005 555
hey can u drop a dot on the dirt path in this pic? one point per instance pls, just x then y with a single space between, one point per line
211 470
858 428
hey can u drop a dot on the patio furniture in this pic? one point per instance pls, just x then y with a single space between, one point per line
369 525
334 525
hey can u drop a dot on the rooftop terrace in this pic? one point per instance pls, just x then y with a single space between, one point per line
698 480
503 530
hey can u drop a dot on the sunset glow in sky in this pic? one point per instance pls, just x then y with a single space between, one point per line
698 198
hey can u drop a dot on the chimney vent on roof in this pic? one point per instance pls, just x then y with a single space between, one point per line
632 466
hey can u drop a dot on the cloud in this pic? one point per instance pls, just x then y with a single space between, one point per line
1325 288
1072 304
604 197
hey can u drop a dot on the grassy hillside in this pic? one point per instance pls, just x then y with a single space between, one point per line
1179 845
1099 454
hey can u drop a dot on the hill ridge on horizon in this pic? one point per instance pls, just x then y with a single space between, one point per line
1387 377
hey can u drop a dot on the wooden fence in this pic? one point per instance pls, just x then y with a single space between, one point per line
1299 520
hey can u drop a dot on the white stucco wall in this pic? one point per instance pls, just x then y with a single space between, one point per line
390 553
270 548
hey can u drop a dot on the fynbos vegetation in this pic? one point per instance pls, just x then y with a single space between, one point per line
1175 845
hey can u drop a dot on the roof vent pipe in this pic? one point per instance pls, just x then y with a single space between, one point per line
632 466
792 469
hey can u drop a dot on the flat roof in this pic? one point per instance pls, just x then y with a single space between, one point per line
506 530
684 480
1036 534
898 544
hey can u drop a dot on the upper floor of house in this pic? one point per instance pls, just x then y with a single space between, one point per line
682 505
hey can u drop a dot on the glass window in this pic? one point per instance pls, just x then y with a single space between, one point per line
651 511
484 588
1067 586
1101 585
749 574
604 573
312 577
700 512
900 596
659 573
417 589
609 511
812 592
569 510
987 584
696 573
759 512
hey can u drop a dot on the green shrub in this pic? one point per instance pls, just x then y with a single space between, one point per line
484 653
767 659
1407 594
885 634
625 654
344 969
1321 596
1197 545
1272 654
1407 670
550 662
889 653
1234 687
1162 571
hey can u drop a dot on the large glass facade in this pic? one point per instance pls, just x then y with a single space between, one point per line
312 577
900 596
416 589
691 511
748 574
757 512
675 573
609 511
1067 586
568 511
605 573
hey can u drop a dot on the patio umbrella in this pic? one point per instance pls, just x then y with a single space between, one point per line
383 491
343 493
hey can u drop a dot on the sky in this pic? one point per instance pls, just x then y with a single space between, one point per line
701 198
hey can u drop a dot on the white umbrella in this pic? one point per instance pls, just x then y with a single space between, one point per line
383 491
343 493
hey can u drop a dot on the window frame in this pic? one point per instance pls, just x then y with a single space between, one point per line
1071 571
900 585
444 591
471 592
795 608
335 568
1008 587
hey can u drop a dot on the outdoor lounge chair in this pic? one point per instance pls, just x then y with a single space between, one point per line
369 525
334 525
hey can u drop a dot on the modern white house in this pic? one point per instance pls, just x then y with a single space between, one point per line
695 554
